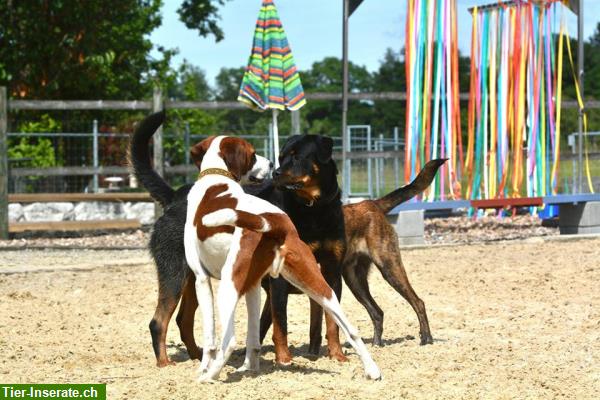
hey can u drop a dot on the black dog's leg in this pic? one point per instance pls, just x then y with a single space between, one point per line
266 319
316 324
330 268
279 298
185 318
167 303
355 276
333 275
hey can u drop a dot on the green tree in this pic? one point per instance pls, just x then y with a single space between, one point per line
34 152
390 77
190 84
325 117
65 49
202 15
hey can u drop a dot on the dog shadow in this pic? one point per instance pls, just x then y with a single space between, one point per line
398 340
181 354
268 366
389 342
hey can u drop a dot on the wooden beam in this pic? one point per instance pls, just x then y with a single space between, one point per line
206 105
68 171
83 171
363 155
93 225
79 105
77 197
144 105
510 202
3 164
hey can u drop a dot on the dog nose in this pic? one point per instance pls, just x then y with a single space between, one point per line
270 164
277 173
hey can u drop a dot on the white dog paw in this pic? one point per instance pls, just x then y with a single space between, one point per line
372 372
249 366
206 378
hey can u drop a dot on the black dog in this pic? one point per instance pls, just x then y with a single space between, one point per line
306 188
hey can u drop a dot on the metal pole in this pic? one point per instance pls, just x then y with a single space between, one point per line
396 164
347 166
95 154
369 163
382 164
275 139
3 164
345 184
377 169
573 166
295 122
580 116
270 155
265 152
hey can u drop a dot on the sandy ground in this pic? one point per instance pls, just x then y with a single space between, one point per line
511 320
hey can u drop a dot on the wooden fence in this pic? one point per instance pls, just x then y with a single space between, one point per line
156 104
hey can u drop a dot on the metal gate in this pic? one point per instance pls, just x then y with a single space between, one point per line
359 174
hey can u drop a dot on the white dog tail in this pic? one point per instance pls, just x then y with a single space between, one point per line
242 219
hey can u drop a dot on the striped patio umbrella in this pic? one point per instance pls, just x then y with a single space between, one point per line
271 80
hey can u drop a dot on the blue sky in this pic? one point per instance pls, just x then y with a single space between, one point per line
314 29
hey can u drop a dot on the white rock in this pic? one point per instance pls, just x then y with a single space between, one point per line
142 211
15 212
48 212
87 210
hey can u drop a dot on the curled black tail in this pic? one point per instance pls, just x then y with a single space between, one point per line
140 160
417 186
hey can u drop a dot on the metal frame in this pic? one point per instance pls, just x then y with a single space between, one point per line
347 163
577 10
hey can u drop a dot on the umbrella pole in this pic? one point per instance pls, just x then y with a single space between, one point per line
275 138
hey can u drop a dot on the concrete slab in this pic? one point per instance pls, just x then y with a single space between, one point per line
410 226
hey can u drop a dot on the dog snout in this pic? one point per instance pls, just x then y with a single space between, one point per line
270 164
277 173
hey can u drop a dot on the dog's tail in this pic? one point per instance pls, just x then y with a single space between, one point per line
417 186
139 157
241 219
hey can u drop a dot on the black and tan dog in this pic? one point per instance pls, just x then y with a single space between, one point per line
345 240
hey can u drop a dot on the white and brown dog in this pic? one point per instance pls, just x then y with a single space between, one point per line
264 241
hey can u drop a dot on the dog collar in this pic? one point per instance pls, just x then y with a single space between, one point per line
216 171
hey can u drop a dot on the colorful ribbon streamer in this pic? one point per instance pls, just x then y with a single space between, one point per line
514 119
433 110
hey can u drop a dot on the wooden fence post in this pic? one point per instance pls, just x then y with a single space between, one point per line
159 166
3 164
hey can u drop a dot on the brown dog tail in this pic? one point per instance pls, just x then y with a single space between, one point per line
417 186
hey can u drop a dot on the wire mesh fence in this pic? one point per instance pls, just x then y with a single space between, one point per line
63 162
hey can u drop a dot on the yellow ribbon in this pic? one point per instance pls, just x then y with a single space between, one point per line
581 109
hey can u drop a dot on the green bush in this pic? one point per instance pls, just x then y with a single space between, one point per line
35 151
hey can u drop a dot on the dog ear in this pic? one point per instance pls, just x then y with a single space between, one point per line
324 148
290 142
198 151
237 154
